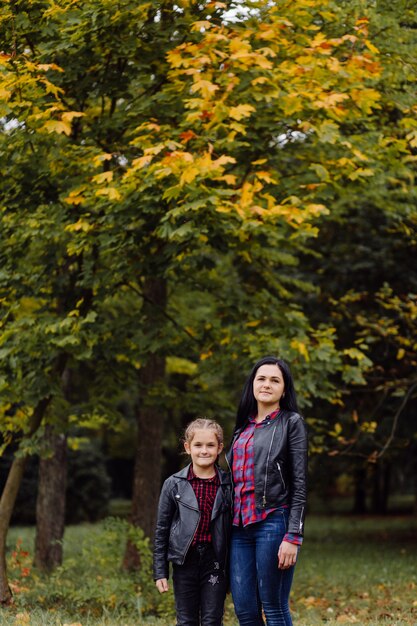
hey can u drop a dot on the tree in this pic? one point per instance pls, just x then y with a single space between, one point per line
366 283
157 149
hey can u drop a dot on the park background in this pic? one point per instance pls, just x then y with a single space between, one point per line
186 187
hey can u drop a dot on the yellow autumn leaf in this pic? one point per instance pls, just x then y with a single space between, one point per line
260 80
74 199
217 5
224 159
110 192
265 176
142 161
79 225
246 195
371 46
330 101
368 427
229 179
201 25
49 66
175 57
99 158
291 104
318 40
400 354
239 48
262 62
68 116
188 175
317 209
56 126
4 94
206 88
104 177
300 347
75 196
240 111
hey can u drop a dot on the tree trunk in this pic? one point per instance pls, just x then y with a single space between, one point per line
150 415
359 504
50 504
8 499
381 487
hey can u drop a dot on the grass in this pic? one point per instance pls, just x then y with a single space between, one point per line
350 570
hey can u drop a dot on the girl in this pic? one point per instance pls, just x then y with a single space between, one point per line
193 529
268 461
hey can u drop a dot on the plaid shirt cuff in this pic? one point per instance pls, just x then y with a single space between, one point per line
293 538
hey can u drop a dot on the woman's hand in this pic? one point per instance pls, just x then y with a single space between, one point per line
287 555
162 585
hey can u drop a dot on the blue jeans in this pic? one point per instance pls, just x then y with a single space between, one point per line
256 582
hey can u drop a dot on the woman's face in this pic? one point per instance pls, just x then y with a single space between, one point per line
268 385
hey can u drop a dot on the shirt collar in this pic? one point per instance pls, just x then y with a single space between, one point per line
192 476
268 418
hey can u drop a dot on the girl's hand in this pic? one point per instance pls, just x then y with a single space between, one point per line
162 585
287 555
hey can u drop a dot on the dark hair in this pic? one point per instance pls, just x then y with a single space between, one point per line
248 405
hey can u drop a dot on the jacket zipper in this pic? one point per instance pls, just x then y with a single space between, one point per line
266 468
280 473
192 537
300 526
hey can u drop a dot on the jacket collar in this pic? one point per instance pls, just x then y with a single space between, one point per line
223 476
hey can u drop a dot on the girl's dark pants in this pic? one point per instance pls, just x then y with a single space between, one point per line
199 588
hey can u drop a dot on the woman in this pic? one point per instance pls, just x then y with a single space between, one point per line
268 461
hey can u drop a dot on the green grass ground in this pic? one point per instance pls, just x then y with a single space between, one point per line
350 570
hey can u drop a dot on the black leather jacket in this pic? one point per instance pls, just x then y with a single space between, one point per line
178 517
280 448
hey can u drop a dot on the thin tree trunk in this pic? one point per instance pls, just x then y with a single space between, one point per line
359 504
50 504
8 499
381 487
150 415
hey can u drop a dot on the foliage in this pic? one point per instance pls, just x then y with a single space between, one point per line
93 557
189 173
365 282
374 586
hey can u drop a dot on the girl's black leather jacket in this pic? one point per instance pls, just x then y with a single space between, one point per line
280 449
178 517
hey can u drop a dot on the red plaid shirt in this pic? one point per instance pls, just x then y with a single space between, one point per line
205 490
243 468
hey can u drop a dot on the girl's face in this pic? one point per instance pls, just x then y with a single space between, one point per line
268 385
204 448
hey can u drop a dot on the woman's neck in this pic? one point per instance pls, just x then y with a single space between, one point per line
263 411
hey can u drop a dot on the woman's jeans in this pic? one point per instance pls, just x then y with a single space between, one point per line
199 588
256 582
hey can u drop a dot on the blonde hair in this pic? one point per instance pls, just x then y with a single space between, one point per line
202 423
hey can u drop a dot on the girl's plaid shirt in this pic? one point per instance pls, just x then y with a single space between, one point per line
205 490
